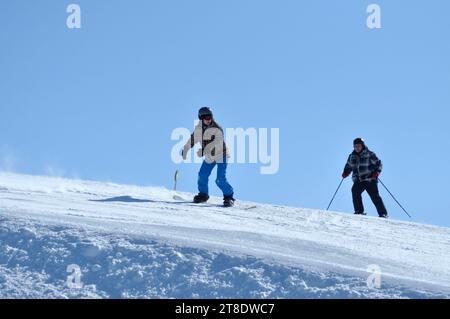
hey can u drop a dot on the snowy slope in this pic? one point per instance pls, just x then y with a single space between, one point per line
134 241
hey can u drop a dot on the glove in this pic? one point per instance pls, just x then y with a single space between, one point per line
375 175
345 174
184 155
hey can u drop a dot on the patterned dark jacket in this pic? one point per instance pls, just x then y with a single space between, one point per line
363 165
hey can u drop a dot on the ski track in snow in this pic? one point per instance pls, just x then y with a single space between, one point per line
138 242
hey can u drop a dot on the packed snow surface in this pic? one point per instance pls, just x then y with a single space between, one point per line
62 238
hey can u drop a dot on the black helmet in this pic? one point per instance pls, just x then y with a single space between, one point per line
204 111
359 140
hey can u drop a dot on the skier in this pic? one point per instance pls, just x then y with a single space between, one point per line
210 135
366 168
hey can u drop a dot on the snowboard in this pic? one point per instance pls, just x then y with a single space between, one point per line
182 199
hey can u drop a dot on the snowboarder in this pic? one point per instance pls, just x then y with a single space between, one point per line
366 168
210 135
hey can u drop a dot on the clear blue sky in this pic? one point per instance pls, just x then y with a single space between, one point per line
101 102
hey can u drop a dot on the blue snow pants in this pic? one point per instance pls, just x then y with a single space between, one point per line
221 180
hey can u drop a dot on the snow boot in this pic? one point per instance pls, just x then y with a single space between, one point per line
383 215
201 198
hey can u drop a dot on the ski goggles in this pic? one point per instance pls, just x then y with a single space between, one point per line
206 117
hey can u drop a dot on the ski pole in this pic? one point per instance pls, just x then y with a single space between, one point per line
175 179
395 199
335 193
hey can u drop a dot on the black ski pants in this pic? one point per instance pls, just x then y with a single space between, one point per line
372 189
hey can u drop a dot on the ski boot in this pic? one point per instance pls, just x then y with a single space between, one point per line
359 213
